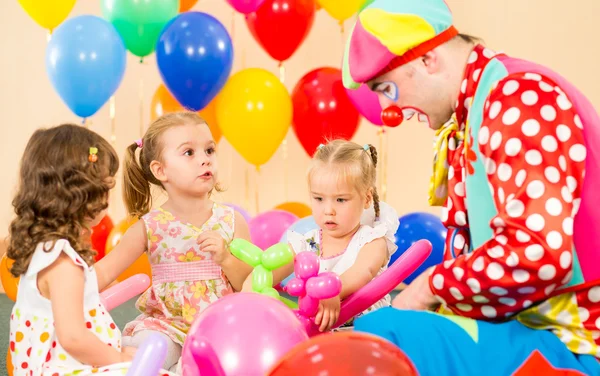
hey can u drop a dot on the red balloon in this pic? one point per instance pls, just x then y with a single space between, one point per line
322 109
99 236
344 353
280 26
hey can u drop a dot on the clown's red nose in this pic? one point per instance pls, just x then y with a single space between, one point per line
392 116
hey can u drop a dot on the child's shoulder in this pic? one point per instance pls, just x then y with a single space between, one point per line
46 253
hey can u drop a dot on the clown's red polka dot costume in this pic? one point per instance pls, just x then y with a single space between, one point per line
534 156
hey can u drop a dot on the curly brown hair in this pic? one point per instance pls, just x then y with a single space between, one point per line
137 176
61 188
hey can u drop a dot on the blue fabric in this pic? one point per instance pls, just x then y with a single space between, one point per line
442 345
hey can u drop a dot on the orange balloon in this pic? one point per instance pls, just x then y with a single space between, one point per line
299 209
185 5
163 102
344 353
9 283
9 365
141 265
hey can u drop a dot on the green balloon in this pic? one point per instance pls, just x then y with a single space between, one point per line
291 304
140 23
246 251
277 256
269 291
261 278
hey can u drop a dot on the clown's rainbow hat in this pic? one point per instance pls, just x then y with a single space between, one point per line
389 33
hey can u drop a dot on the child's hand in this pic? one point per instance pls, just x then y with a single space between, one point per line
329 312
128 353
213 242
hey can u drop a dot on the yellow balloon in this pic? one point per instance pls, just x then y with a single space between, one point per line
341 10
254 112
48 13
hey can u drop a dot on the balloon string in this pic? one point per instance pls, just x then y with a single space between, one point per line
256 190
247 178
342 28
113 139
281 72
49 36
386 137
113 128
284 149
142 101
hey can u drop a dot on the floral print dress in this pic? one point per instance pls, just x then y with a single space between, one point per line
185 280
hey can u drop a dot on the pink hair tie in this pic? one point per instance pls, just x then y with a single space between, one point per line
139 143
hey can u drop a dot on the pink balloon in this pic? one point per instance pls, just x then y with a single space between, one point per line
385 282
200 359
367 104
306 265
246 332
325 286
245 6
267 228
308 306
121 292
295 287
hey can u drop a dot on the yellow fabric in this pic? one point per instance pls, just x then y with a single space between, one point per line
438 187
398 32
562 316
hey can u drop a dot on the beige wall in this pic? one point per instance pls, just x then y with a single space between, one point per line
547 32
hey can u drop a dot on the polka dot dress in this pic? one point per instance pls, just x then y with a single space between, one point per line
34 346
534 154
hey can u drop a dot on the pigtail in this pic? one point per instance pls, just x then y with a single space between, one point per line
136 188
373 154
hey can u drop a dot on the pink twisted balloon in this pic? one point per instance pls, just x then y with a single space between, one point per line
310 287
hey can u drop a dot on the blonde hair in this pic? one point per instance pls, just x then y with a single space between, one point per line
137 176
358 165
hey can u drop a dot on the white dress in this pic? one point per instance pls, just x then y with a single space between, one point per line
371 228
34 346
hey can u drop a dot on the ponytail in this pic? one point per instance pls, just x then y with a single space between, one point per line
136 187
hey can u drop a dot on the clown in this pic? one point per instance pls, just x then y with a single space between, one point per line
515 167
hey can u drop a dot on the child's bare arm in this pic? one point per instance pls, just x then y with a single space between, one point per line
131 246
235 269
368 263
63 283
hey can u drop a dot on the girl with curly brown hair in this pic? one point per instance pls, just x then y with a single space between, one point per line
58 325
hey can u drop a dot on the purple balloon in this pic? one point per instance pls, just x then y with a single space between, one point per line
245 6
267 228
367 104
150 356
240 210
247 332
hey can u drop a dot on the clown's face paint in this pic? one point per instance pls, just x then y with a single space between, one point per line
388 89
414 90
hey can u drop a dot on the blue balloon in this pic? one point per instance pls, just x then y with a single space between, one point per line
85 60
195 56
417 226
